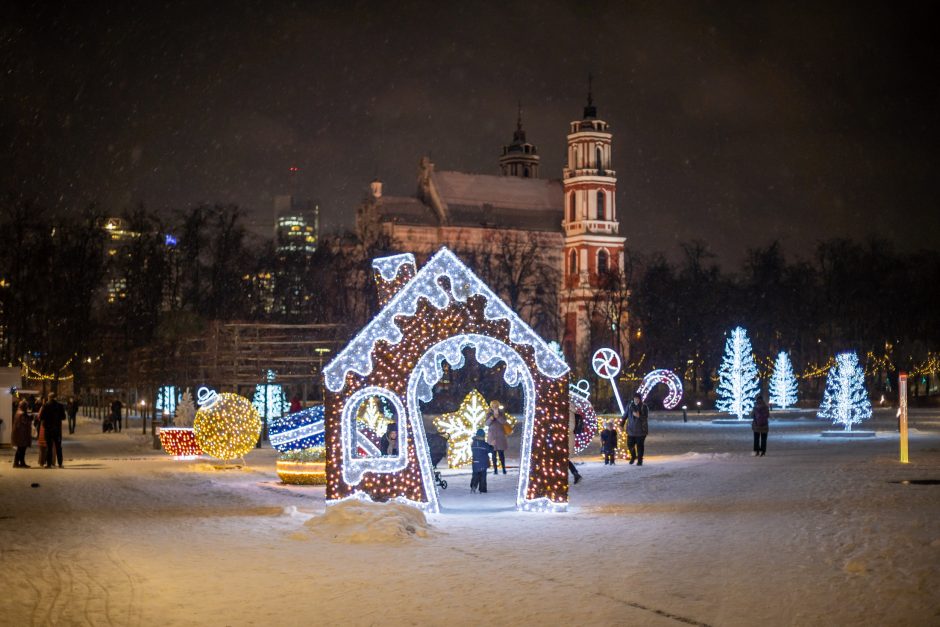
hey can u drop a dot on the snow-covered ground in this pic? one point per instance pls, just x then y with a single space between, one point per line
818 532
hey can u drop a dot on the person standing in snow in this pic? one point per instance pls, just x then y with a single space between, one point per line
116 409
22 434
637 423
481 461
760 425
609 443
51 417
495 421
72 411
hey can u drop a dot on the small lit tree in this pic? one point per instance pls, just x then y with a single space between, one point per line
185 411
783 383
845 401
738 384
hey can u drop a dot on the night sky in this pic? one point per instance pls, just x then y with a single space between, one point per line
732 125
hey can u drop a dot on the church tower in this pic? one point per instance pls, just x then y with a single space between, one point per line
593 250
520 158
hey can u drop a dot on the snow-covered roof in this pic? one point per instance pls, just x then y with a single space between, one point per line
357 356
509 192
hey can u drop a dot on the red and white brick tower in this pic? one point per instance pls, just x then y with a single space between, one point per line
592 246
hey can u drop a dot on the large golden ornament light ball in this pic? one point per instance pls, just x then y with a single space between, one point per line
228 428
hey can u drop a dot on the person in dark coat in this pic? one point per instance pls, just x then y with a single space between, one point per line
116 408
51 417
637 423
389 442
72 410
609 443
481 460
760 425
22 434
495 420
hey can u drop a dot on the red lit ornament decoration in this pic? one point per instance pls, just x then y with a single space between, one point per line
180 440
429 318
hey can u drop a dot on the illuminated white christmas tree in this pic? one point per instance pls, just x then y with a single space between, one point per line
845 401
185 411
783 383
738 384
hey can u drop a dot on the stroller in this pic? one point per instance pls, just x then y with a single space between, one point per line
437 446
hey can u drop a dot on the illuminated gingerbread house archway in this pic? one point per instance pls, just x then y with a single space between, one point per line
429 317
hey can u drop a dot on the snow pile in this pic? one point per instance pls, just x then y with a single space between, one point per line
365 522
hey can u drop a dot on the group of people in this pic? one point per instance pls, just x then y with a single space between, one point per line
47 418
492 443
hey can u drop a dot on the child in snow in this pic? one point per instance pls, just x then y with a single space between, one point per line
481 461
609 443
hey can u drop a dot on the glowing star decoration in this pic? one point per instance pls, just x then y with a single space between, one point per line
227 428
783 383
738 384
430 319
670 380
373 417
578 393
845 401
606 365
297 431
460 426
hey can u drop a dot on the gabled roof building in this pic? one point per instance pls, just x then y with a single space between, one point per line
570 227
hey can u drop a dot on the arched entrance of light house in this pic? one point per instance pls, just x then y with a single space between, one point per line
458 367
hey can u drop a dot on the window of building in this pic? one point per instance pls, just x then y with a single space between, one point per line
601 205
572 215
603 261
573 262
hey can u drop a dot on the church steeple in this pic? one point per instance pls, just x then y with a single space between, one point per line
590 111
593 248
520 158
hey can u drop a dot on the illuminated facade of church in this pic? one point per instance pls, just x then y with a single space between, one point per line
570 225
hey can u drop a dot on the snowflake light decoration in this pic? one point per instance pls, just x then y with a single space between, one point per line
460 426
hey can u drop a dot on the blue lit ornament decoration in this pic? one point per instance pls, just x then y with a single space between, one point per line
297 431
